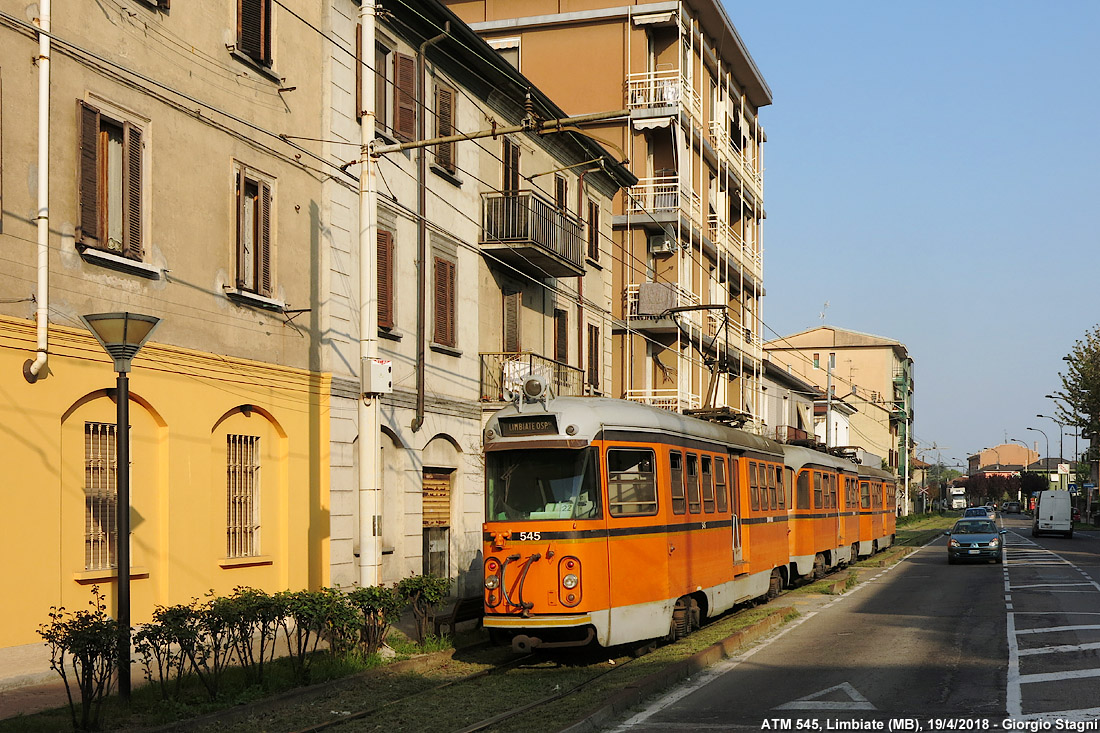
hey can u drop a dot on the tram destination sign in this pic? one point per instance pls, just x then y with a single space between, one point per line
518 427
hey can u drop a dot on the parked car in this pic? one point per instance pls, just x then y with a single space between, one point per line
974 539
1011 507
1076 514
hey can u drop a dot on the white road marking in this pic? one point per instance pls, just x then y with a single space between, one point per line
814 701
1059 648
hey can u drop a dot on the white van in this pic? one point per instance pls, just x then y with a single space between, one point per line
1052 513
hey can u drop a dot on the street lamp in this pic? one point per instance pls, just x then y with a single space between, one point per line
122 335
1061 428
1048 452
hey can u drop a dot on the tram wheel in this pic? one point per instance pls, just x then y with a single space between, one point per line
775 585
681 623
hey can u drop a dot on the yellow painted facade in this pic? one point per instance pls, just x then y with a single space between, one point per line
183 405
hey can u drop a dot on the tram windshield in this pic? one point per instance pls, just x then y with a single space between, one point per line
543 484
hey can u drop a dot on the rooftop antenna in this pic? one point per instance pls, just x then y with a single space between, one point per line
821 315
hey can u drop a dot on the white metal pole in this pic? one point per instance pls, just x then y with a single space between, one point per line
370 493
32 370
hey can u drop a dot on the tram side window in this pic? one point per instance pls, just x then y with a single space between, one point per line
631 482
693 483
772 491
720 484
676 474
708 483
803 489
876 496
864 495
818 499
754 487
782 489
832 491
891 497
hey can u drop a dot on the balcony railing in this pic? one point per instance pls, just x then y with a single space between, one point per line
664 194
650 89
671 296
787 434
674 400
743 161
533 234
727 239
502 373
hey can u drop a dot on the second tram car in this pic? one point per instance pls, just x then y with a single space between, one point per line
613 522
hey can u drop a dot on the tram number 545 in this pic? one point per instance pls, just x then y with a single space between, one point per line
530 536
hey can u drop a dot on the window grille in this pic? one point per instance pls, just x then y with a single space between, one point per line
243 494
100 496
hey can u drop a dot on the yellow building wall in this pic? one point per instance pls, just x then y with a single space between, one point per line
183 404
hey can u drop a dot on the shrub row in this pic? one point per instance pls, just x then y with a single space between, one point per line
205 637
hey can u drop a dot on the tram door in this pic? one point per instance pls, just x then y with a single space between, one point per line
735 507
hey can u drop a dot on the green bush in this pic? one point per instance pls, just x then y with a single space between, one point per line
380 606
85 643
423 593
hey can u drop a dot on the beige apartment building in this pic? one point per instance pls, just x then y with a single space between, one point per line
687 267
870 373
143 169
493 263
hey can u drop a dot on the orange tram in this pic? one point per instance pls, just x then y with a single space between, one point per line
614 522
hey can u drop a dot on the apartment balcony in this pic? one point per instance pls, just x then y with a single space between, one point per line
674 400
664 195
744 164
657 89
503 373
530 233
788 434
728 240
648 301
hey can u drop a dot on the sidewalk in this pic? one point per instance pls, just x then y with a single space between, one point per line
31 699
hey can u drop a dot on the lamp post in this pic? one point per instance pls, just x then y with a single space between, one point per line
1048 451
122 335
1061 430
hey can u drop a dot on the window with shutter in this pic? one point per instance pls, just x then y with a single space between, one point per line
255 265
385 279
510 156
100 496
382 81
444 126
444 332
242 513
561 192
512 303
593 230
404 97
593 356
110 185
254 30
561 335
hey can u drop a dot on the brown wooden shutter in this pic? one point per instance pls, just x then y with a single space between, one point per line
437 498
404 96
131 193
561 335
512 303
251 29
444 302
561 192
593 230
444 117
264 245
241 233
359 71
511 166
594 356
385 279
381 88
88 184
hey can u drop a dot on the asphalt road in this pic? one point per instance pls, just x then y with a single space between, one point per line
921 646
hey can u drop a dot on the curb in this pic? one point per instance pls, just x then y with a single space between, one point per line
637 692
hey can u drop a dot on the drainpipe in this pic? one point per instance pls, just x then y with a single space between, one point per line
422 226
33 369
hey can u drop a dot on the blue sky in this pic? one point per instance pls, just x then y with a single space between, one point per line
933 172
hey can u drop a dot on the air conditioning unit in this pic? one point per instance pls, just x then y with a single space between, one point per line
661 244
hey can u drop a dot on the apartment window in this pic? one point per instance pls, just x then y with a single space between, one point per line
444 333
593 356
242 520
110 185
561 335
100 496
254 251
510 157
561 192
508 48
404 97
382 82
513 301
254 30
593 230
385 279
444 126
817 361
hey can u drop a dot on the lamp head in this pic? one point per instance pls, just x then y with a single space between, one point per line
121 334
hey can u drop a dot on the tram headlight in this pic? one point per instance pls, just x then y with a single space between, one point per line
492 582
570 581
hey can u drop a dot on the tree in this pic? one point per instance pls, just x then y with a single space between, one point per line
1080 396
1031 481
